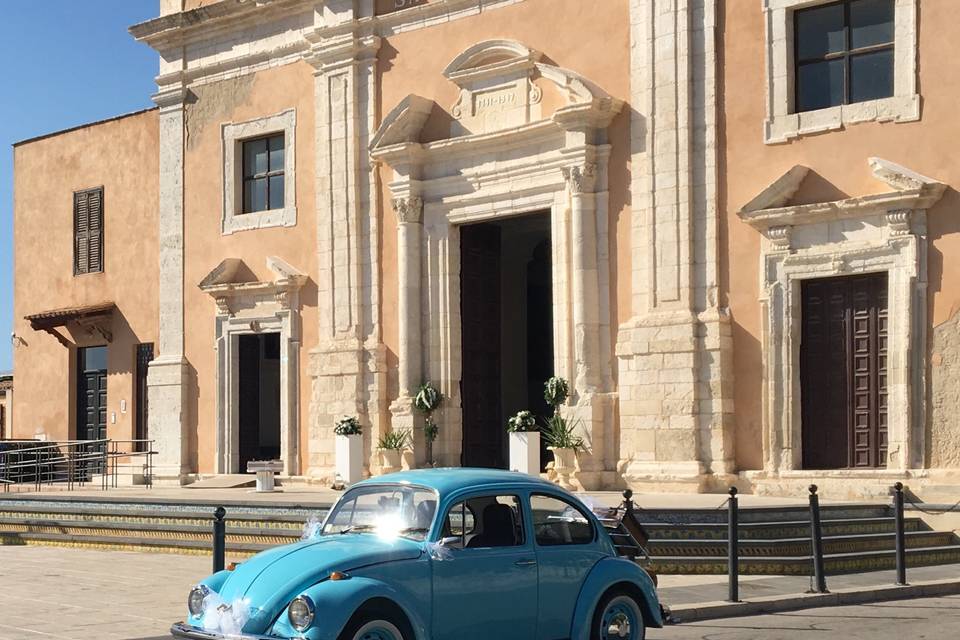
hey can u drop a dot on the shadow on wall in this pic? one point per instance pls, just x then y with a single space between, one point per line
942 439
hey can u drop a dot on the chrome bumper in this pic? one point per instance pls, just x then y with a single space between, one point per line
183 631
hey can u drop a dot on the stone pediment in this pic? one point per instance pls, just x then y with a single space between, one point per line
502 87
230 284
771 208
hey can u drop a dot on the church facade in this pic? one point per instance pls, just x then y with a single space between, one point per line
728 225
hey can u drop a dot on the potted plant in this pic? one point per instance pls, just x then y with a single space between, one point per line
562 439
348 437
427 401
524 443
392 445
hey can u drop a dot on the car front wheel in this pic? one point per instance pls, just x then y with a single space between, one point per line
618 617
377 624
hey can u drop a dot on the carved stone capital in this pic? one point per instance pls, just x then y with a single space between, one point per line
408 209
580 178
899 221
223 305
779 236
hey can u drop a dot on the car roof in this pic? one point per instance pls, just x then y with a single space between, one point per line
448 480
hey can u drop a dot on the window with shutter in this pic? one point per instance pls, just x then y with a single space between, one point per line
88 231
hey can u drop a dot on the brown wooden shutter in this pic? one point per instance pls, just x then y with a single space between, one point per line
96 231
88 231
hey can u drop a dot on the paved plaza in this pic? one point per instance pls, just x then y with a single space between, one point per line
81 594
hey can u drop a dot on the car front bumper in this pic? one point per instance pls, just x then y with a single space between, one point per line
184 631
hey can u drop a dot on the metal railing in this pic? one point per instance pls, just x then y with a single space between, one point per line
31 464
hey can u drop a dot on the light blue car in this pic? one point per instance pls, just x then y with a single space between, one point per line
440 554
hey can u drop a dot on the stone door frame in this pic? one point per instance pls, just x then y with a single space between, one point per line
869 234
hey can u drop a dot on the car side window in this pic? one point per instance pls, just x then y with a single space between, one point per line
484 522
558 522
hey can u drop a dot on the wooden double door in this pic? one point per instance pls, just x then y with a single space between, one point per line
843 372
92 393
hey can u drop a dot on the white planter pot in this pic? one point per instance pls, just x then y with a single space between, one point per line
391 459
349 454
525 452
566 467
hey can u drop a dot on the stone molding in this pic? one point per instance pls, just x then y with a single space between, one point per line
783 123
484 176
232 136
245 308
408 210
877 233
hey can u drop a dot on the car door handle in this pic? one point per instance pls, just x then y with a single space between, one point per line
525 563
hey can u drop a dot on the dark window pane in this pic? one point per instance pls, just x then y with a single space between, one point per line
871 76
819 31
819 85
276 192
276 153
255 195
254 157
871 23
93 358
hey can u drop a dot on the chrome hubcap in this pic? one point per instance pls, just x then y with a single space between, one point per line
378 630
619 626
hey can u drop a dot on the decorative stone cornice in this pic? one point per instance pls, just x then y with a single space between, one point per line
408 210
580 178
779 236
222 286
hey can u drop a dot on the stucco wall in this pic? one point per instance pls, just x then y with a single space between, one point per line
249 97
838 161
122 156
569 33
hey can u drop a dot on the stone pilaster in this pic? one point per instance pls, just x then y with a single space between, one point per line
409 212
169 374
348 365
674 354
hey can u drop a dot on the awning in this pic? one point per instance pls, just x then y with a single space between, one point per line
93 317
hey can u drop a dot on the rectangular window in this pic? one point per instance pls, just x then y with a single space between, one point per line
263 177
843 53
88 231
485 521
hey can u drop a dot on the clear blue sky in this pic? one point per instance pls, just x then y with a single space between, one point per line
65 62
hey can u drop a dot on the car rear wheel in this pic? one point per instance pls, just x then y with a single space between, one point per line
618 617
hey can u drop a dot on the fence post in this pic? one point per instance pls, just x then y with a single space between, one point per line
628 501
733 548
219 538
816 541
901 538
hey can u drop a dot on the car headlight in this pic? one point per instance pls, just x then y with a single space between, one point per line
301 612
195 599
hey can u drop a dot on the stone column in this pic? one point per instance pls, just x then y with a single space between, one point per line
676 407
409 212
348 365
169 374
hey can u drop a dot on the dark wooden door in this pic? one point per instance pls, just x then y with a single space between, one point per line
843 364
483 433
92 393
259 415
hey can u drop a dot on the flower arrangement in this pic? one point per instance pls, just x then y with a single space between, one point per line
394 440
555 392
559 433
348 426
523 421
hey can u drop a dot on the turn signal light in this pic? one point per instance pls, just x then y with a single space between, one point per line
338 575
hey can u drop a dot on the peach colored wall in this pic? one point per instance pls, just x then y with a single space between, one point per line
262 94
122 156
568 33
839 161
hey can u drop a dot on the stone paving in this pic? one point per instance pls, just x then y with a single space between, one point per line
79 594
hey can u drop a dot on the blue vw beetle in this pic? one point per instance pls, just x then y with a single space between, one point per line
439 554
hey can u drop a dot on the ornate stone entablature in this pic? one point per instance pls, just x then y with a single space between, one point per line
246 307
884 232
517 161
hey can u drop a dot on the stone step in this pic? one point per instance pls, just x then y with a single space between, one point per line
790 547
763 514
834 564
235 549
251 532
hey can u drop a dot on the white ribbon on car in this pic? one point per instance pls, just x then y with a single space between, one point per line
225 618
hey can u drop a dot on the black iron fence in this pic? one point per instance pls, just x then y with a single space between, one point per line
33 464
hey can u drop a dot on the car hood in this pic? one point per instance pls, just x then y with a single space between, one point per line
269 580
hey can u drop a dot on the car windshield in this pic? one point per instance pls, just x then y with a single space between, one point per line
385 510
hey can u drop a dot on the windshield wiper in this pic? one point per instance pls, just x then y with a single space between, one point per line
357 528
423 530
